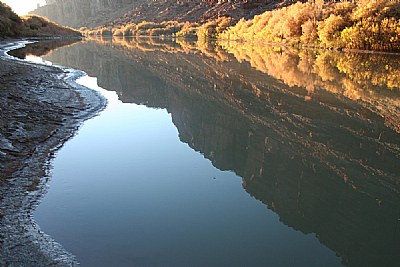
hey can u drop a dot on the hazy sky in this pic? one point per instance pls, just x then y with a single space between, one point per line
22 7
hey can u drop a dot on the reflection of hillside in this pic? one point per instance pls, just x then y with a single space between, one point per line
364 77
325 164
42 48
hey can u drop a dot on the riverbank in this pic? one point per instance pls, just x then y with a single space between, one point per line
41 107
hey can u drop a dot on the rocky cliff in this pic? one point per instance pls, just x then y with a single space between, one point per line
93 13
78 13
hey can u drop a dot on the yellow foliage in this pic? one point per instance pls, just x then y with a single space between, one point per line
211 29
329 30
309 32
373 35
373 25
144 28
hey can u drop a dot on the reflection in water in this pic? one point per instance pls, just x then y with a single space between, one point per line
316 139
42 48
357 76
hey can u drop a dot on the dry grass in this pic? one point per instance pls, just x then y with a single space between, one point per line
39 26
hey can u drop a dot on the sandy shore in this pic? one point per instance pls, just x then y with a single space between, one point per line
41 107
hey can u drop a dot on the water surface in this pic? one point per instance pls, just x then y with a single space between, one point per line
212 157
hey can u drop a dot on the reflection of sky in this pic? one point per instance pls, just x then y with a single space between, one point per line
23 7
125 191
36 59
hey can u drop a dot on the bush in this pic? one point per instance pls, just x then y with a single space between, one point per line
329 30
370 35
212 29
188 30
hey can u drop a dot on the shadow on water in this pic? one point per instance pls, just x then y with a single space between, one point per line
313 134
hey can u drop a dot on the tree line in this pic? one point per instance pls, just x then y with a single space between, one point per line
368 25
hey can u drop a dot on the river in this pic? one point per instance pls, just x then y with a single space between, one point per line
229 155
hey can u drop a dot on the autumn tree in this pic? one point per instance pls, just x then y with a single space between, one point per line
329 30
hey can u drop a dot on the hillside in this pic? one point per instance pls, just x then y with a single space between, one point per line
94 13
13 26
194 11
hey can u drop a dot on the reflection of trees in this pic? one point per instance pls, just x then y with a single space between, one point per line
371 70
376 71
160 44
358 76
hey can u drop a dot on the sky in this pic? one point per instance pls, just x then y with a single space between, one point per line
22 7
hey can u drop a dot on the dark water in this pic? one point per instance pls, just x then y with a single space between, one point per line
230 156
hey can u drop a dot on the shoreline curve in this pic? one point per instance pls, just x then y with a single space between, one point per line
41 108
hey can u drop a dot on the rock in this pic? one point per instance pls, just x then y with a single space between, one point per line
5 144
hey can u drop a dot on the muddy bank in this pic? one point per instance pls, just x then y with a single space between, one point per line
41 107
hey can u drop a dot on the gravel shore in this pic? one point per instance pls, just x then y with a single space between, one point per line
41 107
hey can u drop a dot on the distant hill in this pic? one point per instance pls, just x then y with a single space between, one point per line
13 26
94 13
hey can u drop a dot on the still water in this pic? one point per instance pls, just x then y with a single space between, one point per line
229 155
